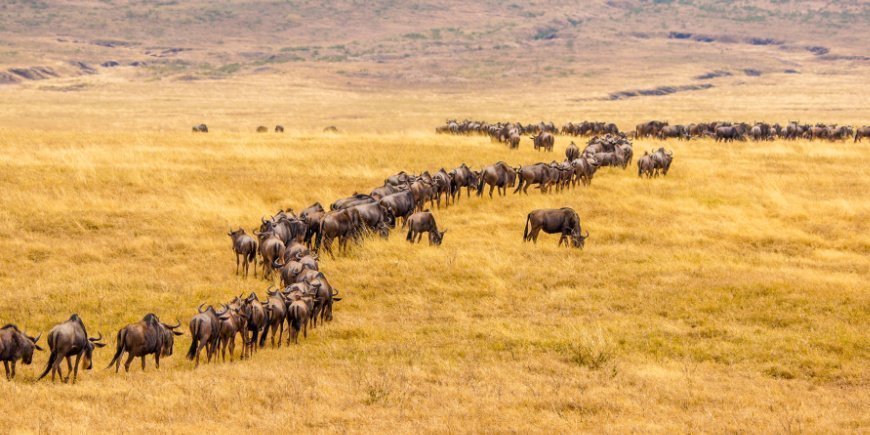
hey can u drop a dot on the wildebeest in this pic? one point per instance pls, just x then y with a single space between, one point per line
649 129
400 205
424 222
564 221
16 345
584 169
645 165
341 224
233 322
271 248
255 313
379 193
376 218
461 177
66 340
204 334
331 129
298 316
498 175
262 129
861 133
146 337
543 141
728 133
677 131
513 141
541 174
572 152
279 129
245 247
355 199
661 160
200 128
276 314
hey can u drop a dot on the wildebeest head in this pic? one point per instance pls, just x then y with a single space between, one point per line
437 237
88 356
579 240
235 234
169 333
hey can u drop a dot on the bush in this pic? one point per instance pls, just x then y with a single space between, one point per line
592 349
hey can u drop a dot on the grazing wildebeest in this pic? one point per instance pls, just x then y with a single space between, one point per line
245 247
424 222
70 339
16 345
376 218
543 141
262 129
146 337
400 205
861 133
200 128
279 129
271 247
498 175
541 174
204 334
342 224
564 221
572 152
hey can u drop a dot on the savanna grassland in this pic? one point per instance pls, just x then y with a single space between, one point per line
730 296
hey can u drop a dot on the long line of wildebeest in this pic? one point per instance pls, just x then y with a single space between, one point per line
511 132
287 245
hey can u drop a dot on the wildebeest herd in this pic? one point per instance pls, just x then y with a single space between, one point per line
511 132
287 244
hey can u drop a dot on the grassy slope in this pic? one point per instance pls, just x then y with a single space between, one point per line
730 296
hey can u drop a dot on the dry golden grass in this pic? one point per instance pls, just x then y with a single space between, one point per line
730 296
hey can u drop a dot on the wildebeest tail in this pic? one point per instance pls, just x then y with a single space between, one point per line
252 255
526 228
295 317
194 338
319 237
480 185
410 234
51 359
121 340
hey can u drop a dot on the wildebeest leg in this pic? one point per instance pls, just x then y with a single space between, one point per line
143 362
198 351
13 370
157 358
237 263
6 366
127 363
76 369
420 237
232 341
534 234
280 333
69 368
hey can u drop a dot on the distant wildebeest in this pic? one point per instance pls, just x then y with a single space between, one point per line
200 128
298 314
233 322
341 224
424 222
279 129
66 340
16 345
513 141
331 129
649 129
543 141
204 334
677 131
564 221
861 133
645 165
245 247
572 152
661 160
498 175
146 337
728 133
262 129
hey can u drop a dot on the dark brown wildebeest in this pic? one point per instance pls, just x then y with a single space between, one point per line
424 222
279 129
232 323
727 133
572 152
649 128
662 161
861 133
276 314
16 345
204 334
645 165
342 224
400 204
288 228
146 337
376 218
564 221
380 193
271 248
422 191
498 175
355 199
255 313
262 129
541 174
324 297
584 169
543 141
70 339
294 252
298 314
399 179
245 247
331 129
312 216
200 128
625 153
443 186
513 141
461 177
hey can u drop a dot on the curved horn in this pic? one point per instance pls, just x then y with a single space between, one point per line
223 311
92 339
36 339
263 219
199 308
587 235
177 324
